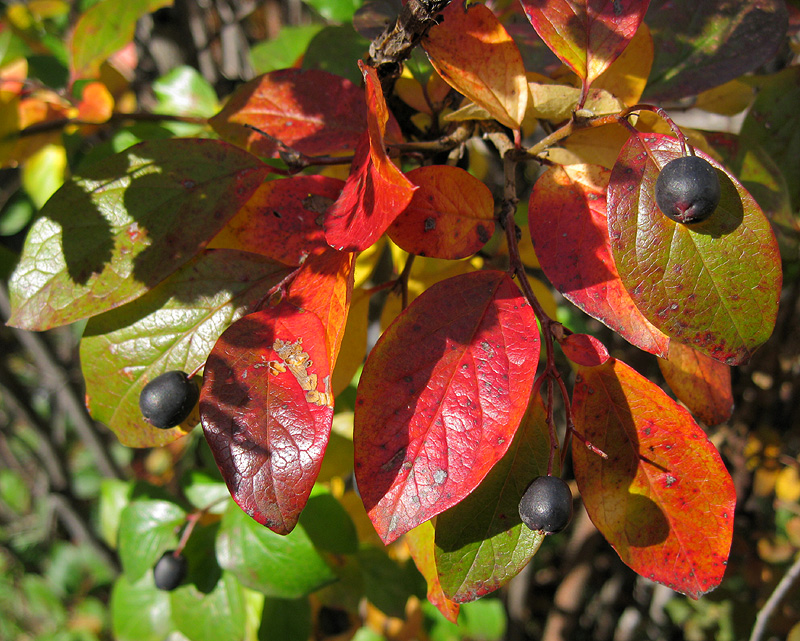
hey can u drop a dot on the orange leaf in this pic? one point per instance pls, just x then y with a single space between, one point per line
663 498
375 191
324 286
699 381
474 54
312 111
283 219
96 103
451 214
420 542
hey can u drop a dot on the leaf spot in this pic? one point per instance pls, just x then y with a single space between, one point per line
439 477
430 223
297 361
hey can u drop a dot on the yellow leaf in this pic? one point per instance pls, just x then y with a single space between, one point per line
44 173
787 485
729 99
354 343
627 76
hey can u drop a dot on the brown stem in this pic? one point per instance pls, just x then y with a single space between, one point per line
402 280
783 587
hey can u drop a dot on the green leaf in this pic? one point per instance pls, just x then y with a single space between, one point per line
203 489
285 620
114 496
328 524
336 50
147 529
713 285
284 50
74 569
173 326
387 584
104 29
129 221
139 611
14 491
481 543
218 615
184 91
287 567
774 123
335 10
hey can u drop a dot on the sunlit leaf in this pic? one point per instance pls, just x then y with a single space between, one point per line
587 35
700 382
266 410
324 287
146 530
626 77
567 220
173 326
663 497
287 106
283 219
473 53
713 285
104 28
421 546
583 349
451 214
481 543
440 398
376 191
287 567
125 224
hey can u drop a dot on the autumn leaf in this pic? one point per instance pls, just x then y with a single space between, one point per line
440 398
451 214
700 382
587 35
286 106
375 191
266 411
569 230
421 547
663 498
713 285
473 53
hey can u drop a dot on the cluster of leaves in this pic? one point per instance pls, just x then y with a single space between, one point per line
251 247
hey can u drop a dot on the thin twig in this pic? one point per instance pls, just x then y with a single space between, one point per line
780 591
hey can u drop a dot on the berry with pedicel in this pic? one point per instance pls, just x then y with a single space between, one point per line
168 399
687 189
170 571
546 504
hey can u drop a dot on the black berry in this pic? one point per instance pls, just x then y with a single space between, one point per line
546 505
170 571
687 189
168 399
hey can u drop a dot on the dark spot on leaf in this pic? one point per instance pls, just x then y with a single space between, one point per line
276 214
483 233
430 223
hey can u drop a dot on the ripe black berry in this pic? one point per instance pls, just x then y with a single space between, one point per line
546 505
169 571
687 189
168 399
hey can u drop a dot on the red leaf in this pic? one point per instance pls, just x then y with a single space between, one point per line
663 498
324 287
700 382
714 285
266 411
440 398
283 219
312 111
585 350
587 35
569 230
451 214
474 54
375 191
